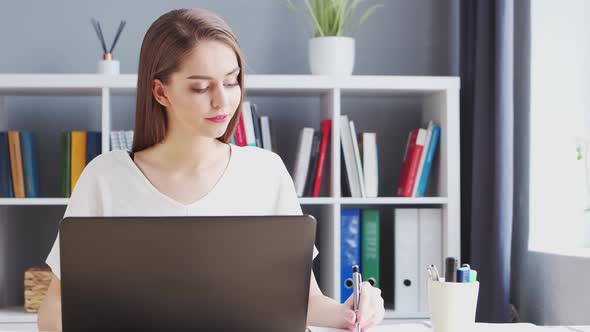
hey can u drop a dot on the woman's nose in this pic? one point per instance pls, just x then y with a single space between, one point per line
219 98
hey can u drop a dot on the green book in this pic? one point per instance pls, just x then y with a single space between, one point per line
370 246
66 148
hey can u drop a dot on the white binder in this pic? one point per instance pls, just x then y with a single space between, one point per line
430 248
406 261
418 243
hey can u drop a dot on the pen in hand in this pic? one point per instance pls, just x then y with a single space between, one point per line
356 292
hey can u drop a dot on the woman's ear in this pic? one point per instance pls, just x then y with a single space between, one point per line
159 92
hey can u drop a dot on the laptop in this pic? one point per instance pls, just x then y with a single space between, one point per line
246 273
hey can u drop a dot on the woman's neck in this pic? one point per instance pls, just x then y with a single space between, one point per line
189 154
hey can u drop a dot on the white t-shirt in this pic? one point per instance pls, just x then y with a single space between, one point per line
255 182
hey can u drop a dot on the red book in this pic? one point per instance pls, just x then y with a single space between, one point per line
240 133
412 156
325 128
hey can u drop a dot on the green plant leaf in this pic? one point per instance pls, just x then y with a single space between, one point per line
348 17
314 19
339 10
366 15
299 14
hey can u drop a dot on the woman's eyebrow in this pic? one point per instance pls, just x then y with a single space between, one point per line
202 77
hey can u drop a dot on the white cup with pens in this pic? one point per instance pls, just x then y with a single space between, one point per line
453 299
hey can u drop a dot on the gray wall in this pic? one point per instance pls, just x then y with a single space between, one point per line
406 37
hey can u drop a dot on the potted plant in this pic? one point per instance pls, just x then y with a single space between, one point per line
331 43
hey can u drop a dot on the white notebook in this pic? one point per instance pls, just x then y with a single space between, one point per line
380 328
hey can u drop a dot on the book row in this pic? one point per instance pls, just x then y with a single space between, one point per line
19 165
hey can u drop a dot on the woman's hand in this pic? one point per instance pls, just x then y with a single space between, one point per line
371 308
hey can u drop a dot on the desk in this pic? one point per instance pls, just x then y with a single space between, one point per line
423 327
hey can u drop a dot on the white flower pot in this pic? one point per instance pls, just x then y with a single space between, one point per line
331 55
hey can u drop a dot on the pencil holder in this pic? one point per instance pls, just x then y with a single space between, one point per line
452 305
108 65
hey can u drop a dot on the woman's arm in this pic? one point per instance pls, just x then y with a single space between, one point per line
49 315
323 310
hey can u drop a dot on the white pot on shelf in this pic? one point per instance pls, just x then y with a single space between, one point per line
331 55
108 65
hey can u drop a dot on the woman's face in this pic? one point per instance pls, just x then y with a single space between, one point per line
204 94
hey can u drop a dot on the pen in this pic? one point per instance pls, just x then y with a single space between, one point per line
433 272
356 292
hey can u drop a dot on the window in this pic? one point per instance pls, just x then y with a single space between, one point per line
559 125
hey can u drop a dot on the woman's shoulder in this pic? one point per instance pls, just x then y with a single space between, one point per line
107 162
261 159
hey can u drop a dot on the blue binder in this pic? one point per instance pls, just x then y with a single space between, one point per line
30 163
5 175
433 144
350 249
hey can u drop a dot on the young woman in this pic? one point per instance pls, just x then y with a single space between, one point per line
190 88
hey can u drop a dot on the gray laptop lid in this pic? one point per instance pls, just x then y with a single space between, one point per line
186 273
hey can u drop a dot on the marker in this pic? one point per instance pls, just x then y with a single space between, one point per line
463 273
472 276
451 265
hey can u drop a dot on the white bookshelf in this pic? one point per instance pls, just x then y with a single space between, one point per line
438 98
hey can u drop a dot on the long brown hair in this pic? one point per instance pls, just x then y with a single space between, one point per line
166 43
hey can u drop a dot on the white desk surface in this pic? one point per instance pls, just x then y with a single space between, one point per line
415 327
425 327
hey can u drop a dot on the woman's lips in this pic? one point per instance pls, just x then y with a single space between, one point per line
218 119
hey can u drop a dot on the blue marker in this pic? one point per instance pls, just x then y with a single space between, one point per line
463 273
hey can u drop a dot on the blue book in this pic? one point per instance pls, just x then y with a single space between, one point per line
30 163
93 145
350 249
432 145
5 175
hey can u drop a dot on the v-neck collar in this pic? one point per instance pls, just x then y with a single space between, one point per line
137 171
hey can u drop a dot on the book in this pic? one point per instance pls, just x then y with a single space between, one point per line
114 141
313 164
93 145
349 159
240 132
422 159
256 123
30 161
6 190
325 130
266 132
414 148
432 147
357 159
78 157
302 158
368 146
16 164
66 162
248 123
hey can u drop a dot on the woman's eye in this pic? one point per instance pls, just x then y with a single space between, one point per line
233 84
200 90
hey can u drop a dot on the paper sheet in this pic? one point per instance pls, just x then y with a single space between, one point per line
381 328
